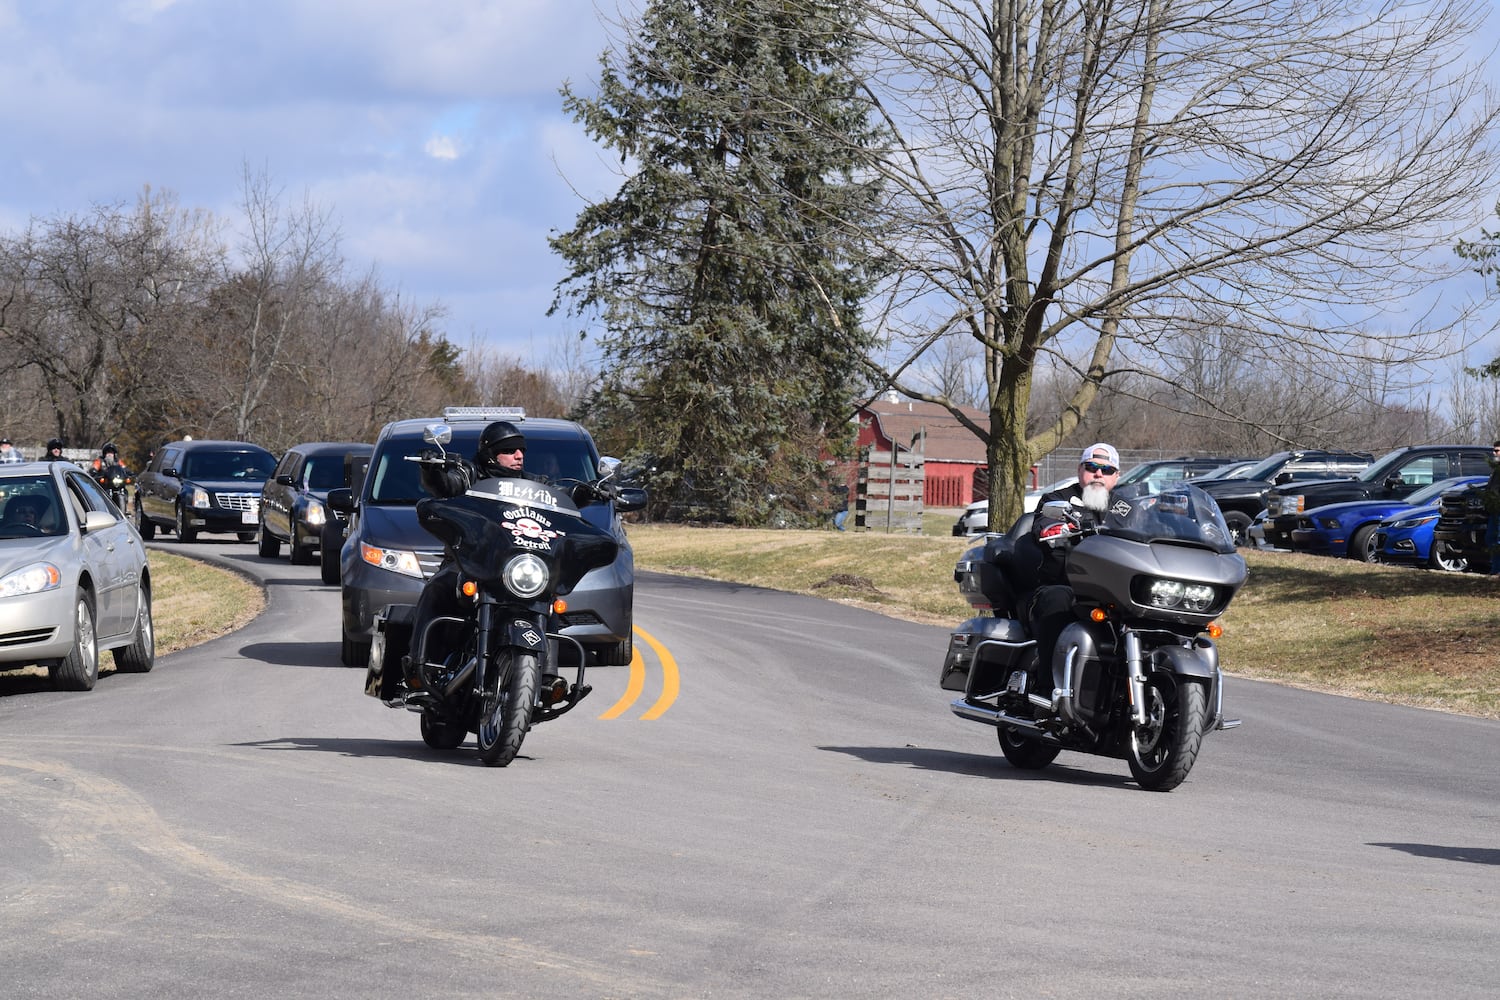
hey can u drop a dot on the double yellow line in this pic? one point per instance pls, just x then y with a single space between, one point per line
637 684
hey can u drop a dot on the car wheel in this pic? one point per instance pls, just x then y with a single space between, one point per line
1362 545
140 656
353 652
80 668
301 553
143 524
617 654
1239 527
267 545
185 532
328 561
1445 559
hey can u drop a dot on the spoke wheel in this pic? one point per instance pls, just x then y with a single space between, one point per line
505 711
80 668
1162 752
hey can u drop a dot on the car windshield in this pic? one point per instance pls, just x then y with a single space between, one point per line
1430 494
1382 467
393 480
247 465
29 508
1268 467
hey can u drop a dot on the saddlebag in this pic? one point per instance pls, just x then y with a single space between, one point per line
982 652
391 641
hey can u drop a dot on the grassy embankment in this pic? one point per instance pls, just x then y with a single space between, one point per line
1400 635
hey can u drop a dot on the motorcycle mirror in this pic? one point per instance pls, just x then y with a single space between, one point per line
1056 508
438 434
608 467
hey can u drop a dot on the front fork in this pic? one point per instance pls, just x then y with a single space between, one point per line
1135 669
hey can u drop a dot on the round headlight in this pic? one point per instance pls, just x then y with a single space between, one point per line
1166 593
526 576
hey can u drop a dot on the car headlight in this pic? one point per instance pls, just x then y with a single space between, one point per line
33 579
316 515
1178 595
396 560
1413 522
526 576
200 497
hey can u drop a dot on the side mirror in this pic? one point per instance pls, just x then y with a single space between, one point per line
608 467
171 473
96 520
341 500
1282 478
1394 480
438 434
285 480
630 498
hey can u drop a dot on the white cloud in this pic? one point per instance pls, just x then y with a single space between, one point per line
442 147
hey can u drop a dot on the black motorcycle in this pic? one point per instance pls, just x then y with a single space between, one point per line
519 546
115 480
1137 675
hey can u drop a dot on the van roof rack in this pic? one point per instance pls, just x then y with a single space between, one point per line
484 413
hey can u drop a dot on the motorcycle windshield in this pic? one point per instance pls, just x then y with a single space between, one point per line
1177 512
499 518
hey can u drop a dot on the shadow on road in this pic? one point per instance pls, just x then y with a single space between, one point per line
1472 855
978 765
296 654
404 749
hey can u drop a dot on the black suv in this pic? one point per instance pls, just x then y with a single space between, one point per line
388 556
1171 470
1462 520
1241 500
1394 475
294 502
193 486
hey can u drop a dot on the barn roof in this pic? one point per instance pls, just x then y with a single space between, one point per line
947 440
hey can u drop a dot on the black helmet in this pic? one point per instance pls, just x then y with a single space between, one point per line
55 444
109 449
500 436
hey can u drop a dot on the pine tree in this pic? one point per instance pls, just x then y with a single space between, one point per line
728 271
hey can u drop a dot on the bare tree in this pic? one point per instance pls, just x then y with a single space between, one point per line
1075 177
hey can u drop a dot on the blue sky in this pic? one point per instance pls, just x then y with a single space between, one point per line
433 132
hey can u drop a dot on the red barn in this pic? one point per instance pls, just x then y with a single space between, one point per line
956 473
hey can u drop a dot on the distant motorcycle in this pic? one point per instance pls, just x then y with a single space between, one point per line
520 546
116 481
1137 675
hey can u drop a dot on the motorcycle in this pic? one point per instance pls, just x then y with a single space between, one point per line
520 546
115 480
1137 675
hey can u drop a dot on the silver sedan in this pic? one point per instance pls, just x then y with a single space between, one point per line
74 577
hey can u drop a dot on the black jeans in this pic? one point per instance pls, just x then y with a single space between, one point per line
1049 612
438 598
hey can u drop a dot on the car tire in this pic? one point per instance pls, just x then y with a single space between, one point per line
1362 545
143 524
353 652
140 656
185 532
1239 527
79 670
328 562
267 545
1445 560
301 554
618 654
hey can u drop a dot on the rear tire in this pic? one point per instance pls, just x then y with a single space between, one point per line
504 716
80 668
1162 752
442 735
1025 753
140 656
1239 527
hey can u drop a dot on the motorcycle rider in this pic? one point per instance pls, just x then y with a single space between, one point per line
54 451
500 454
1049 607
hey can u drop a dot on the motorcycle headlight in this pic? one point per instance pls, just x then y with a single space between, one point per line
395 560
526 576
33 579
1177 595
317 515
200 497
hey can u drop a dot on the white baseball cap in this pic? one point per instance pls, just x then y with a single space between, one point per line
1092 454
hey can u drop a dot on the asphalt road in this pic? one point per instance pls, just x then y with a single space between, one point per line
778 804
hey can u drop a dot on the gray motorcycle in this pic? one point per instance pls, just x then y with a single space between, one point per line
1137 675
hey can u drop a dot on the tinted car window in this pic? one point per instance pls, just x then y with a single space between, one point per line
324 472
29 507
88 496
393 480
227 465
1425 470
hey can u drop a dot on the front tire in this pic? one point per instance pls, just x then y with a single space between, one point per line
1362 545
1239 527
353 652
185 531
1445 559
140 656
328 561
143 524
301 554
80 668
267 545
504 716
1162 752
1025 753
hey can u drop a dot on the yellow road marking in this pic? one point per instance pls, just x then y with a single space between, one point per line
670 686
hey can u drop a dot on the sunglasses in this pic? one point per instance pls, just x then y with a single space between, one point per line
1106 470
510 451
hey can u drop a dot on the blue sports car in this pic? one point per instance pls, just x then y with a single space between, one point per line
1340 529
1405 538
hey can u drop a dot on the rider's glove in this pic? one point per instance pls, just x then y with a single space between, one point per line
1058 534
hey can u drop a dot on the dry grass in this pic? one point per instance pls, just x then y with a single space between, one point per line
1400 635
194 601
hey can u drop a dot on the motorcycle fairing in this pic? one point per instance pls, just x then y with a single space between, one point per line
474 525
1197 661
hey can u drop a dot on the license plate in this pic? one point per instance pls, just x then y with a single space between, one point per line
250 517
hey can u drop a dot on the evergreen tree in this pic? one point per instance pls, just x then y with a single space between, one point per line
728 271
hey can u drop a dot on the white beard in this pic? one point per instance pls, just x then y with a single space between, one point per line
1096 497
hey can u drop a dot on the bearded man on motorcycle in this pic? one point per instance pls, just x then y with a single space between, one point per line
500 454
1049 607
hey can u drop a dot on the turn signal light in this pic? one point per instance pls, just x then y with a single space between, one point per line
1098 615
469 588
559 606
1215 630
